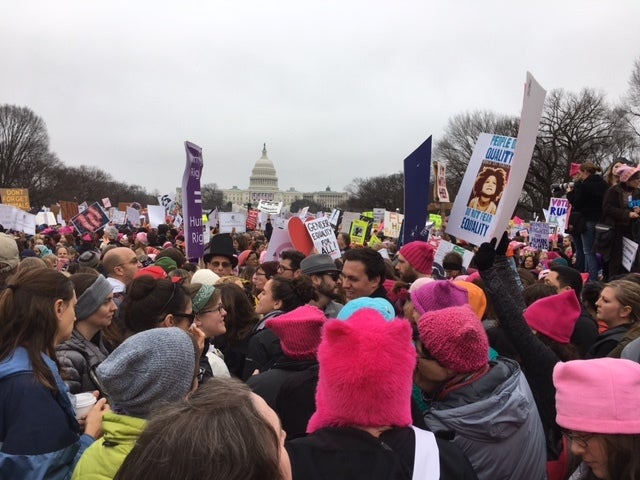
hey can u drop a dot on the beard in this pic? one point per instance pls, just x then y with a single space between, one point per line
328 290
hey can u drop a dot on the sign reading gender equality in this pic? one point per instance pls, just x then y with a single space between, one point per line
495 175
192 202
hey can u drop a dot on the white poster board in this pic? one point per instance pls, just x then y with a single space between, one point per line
229 221
156 215
443 247
479 211
392 224
629 251
558 210
539 235
280 241
324 239
347 218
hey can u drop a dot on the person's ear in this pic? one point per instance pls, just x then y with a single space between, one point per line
58 307
168 321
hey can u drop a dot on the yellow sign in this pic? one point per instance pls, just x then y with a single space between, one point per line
16 197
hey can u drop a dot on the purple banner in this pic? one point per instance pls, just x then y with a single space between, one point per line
417 169
192 202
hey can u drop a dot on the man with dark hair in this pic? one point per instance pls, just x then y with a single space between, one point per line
326 280
363 274
290 264
586 330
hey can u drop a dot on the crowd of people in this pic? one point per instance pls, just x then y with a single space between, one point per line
120 358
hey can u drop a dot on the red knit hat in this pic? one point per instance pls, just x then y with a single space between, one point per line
242 258
419 255
455 338
598 396
299 331
438 295
366 373
554 316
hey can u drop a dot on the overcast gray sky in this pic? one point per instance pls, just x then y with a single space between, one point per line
337 89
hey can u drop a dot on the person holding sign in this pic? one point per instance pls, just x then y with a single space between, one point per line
488 189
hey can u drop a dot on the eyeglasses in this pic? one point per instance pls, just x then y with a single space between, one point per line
334 275
190 316
220 264
580 439
282 268
220 308
260 274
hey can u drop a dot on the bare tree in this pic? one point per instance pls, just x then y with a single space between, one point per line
631 105
211 196
384 191
25 159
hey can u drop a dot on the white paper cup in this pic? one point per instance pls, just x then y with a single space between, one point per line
83 404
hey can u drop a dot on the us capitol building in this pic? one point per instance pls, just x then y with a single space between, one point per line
263 185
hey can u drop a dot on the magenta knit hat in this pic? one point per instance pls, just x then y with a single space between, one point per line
455 338
366 373
625 172
555 316
299 331
598 396
438 295
419 255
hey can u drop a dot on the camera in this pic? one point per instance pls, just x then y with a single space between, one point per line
561 187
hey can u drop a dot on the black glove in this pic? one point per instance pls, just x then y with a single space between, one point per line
503 245
486 255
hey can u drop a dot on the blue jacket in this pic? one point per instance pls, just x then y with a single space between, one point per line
38 429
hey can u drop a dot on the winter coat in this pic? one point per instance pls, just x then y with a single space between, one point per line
351 454
607 341
615 212
537 359
496 424
103 459
77 356
586 197
264 347
39 434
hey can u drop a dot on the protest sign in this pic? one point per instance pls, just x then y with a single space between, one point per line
252 219
24 222
167 201
392 224
45 218
106 203
133 216
302 214
272 208
16 197
629 251
324 239
442 193
539 235
156 215
192 202
347 219
279 222
358 232
378 215
558 210
493 182
280 241
90 219
443 247
228 221
119 218
334 218
417 170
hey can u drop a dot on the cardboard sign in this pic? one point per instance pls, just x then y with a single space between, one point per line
629 252
119 218
358 232
252 220
90 219
323 237
392 224
133 216
272 208
156 215
442 194
443 247
558 212
16 197
334 218
347 219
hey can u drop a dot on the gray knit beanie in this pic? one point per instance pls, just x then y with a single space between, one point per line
93 297
148 369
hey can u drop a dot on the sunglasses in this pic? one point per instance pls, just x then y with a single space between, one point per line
334 275
190 316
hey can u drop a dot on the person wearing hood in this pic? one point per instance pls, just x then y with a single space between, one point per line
487 405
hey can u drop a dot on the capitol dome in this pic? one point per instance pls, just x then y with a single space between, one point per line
263 176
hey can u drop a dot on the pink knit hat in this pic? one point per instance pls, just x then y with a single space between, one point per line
625 172
477 297
142 238
555 316
598 396
455 338
361 383
438 295
419 255
299 331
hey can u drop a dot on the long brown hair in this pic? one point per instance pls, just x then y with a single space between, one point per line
623 461
241 315
216 431
28 318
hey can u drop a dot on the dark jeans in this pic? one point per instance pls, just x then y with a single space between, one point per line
591 261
